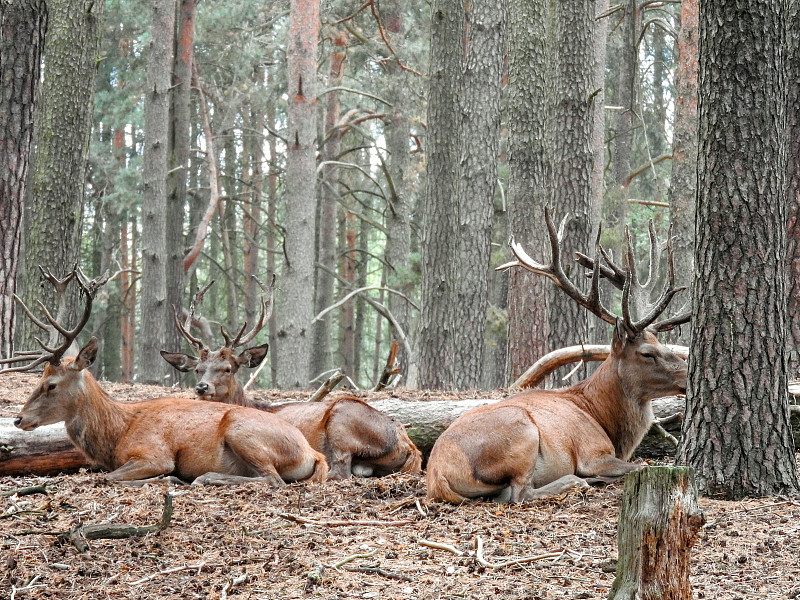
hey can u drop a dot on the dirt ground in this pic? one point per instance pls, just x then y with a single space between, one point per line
364 538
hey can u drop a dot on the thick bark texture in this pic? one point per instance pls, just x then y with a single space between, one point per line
22 30
295 305
63 123
474 203
152 368
658 525
736 434
529 174
683 181
572 158
793 249
439 242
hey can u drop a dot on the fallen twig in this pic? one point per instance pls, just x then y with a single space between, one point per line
379 571
327 387
440 546
352 557
26 491
166 572
515 561
343 523
78 536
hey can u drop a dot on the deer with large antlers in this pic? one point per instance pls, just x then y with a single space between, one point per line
356 438
541 442
193 440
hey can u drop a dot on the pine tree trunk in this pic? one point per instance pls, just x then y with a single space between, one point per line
793 249
529 174
572 159
736 434
155 163
683 181
321 358
479 146
22 33
398 213
439 241
63 124
296 301
658 524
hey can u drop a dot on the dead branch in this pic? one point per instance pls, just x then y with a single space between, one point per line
327 387
515 561
390 370
439 546
78 536
381 572
343 523
26 491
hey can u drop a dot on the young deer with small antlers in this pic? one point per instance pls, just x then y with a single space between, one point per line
356 438
541 442
193 440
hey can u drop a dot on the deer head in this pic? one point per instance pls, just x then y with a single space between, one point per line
216 369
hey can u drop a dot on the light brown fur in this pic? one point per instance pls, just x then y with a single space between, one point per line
168 436
353 436
541 442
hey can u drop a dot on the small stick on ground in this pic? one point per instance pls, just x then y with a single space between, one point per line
327 387
508 563
379 571
439 546
343 523
26 491
78 536
352 557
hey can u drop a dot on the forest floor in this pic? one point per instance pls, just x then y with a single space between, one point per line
363 538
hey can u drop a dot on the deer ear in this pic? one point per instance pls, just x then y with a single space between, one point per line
86 356
182 362
252 357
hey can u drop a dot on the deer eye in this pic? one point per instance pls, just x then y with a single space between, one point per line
227 369
648 355
51 387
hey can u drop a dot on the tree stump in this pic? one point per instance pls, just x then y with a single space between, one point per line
658 524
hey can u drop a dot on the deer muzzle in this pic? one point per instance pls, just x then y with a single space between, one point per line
201 389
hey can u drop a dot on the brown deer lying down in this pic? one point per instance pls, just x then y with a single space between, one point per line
356 438
542 442
165 436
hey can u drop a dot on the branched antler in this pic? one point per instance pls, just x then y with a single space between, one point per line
185 328
266 312
50 352
623 277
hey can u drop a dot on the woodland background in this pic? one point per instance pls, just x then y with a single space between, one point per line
377 156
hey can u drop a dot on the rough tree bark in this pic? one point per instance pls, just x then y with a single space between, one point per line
22 31
658 524
63 123
155 166
737 435
529 174
793 249
295 305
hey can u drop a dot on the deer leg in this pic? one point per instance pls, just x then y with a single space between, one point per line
607 468
137 469
554 488
212 478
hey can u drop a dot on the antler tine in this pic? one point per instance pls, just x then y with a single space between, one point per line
555 271
669 291
88 291
185 328
266 312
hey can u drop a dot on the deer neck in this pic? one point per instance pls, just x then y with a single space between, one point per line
624 418
97 423
236 395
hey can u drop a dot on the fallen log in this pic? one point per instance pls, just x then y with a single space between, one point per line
48 450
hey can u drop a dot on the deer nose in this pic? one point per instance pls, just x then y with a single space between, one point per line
17 421
201 388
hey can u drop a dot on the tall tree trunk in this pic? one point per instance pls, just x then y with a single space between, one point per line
479 141
572 158
529 174
22 32
296 303
63 125
348 322
683 181
398 213
615 214
736 432
328 199
254 153
155 162
272 207
180 133
439 234
127 250
793 249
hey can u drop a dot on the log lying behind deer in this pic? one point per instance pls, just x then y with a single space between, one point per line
356 438
542 442
191 439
